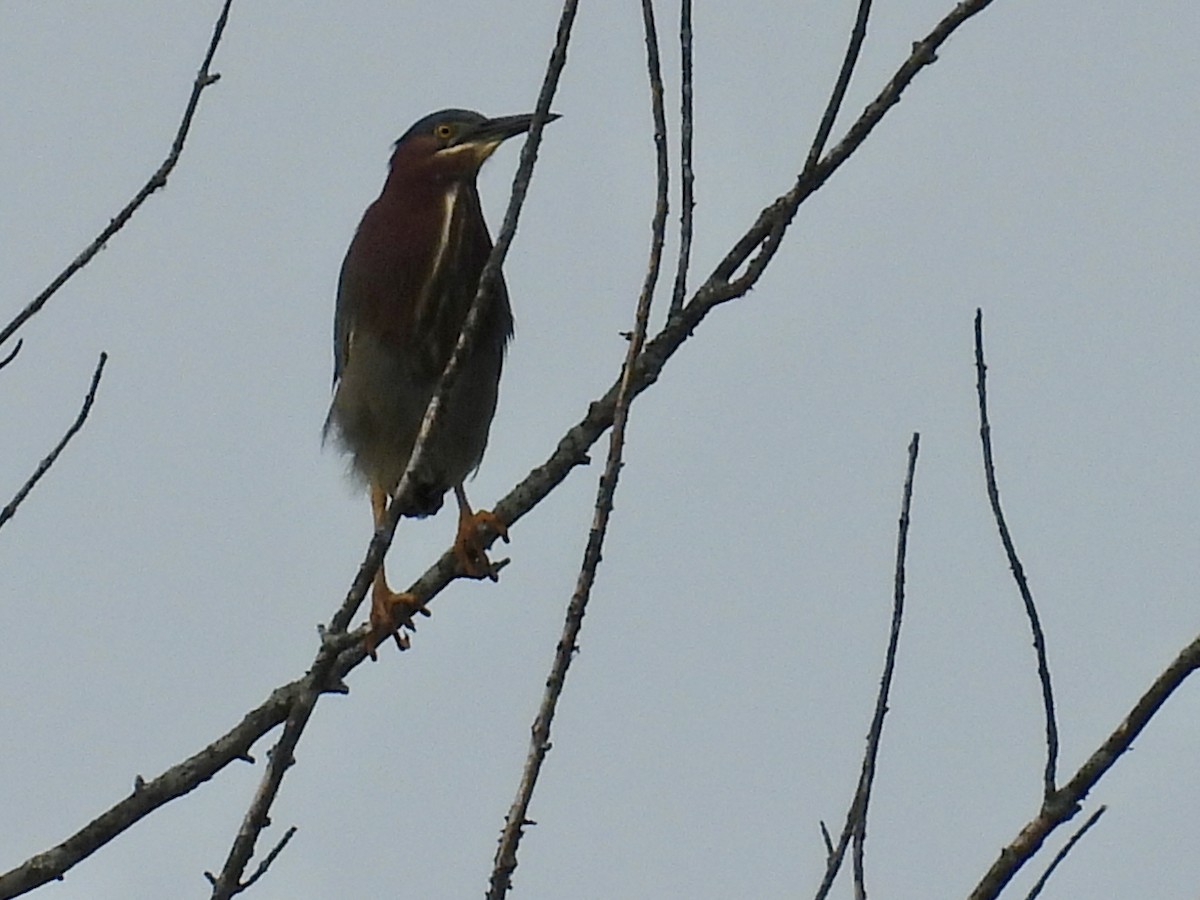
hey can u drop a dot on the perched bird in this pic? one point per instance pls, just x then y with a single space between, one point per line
407 282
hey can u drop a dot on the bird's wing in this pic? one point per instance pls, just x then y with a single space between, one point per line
343 319
453 284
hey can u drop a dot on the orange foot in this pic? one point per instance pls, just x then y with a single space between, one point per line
468 544
390 611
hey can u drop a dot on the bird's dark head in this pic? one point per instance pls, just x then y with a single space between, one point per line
454 143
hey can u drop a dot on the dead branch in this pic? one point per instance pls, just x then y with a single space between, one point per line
44 466
204 78
855 828
505 862
1014 563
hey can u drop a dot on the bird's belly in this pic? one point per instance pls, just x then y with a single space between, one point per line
378 407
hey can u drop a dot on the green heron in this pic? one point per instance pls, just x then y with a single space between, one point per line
407 282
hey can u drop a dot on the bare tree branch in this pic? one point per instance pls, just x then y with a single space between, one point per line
1062 854
827 840
263 866
1035 625
687 177
856 817
857 36
270 858
1064 804
13 355
44 466
148 796
279 759
505 862
204 78
876 733
765 234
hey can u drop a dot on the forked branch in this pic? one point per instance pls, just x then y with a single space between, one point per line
1065 803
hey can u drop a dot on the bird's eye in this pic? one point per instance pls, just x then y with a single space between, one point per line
443 131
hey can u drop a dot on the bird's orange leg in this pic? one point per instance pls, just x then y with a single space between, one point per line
468 545
385 601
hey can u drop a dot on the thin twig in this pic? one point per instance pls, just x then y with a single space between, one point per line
505 861
204 78
1065 802
44 466
270 858
343 651
1062 854
766 233
857 36
262 866
13 355
855 828
687 177
281 757
826 839
1018 571
876 733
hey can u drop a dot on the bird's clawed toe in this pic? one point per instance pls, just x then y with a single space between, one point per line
469 548
391 613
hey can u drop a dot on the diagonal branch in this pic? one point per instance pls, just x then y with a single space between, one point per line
1036 890
855 828
766 233
204 78
505 862
264 865
148 796
279 759
1035 625
44 466
1064 804
857 36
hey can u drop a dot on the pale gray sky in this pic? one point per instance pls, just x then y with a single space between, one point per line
172 568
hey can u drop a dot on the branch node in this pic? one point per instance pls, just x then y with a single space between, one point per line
1060 805
336 686
923 53
328 637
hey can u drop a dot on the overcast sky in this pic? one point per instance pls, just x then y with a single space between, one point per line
171 569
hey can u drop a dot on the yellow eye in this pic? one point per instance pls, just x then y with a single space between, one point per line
444 131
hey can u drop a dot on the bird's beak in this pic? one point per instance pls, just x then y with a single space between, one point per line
483 139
